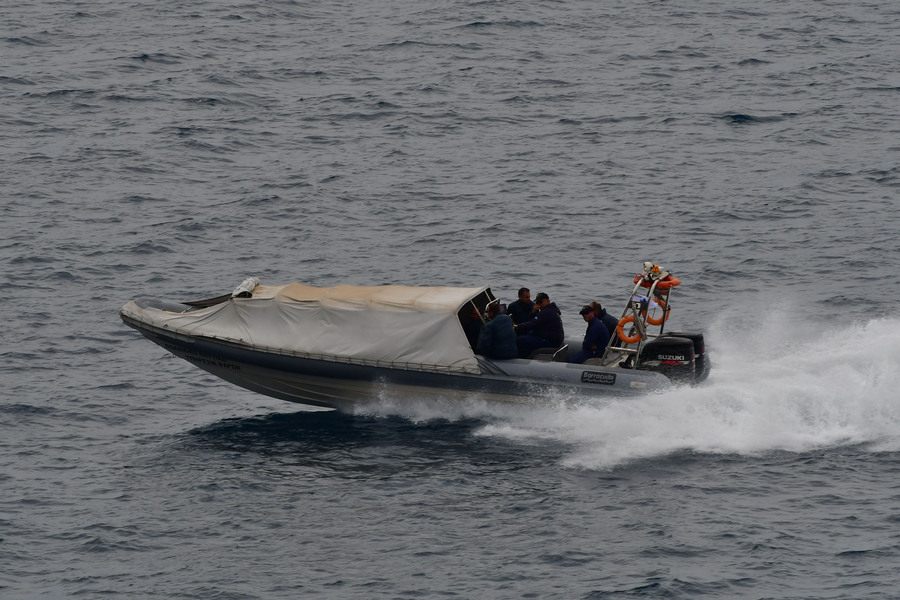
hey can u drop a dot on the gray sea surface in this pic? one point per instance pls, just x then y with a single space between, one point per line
172 149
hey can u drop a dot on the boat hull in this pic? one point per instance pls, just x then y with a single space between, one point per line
336 384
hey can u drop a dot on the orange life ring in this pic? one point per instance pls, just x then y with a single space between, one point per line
667 282
665 315
620 330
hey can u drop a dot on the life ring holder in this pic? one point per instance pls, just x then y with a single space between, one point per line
620 330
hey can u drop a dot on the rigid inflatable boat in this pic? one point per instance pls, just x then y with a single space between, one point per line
337 346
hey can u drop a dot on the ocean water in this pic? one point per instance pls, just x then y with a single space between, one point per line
172 149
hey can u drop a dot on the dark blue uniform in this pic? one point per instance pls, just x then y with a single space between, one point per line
520 311
498 338
610 321
545 330
595 340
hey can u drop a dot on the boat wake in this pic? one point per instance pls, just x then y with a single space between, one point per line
807 391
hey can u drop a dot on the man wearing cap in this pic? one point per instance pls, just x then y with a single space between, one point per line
595 338
544 330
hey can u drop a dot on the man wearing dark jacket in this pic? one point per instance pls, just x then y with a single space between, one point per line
596 337
607 319
520 310
498 338
545 330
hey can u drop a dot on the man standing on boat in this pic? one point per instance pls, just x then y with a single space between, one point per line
545 330
521 309
596 337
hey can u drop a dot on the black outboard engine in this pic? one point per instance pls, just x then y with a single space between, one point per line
672 356
701 366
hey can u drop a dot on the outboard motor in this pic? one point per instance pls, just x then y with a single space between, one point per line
701 366
672 356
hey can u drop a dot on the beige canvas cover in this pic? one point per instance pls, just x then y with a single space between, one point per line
399 326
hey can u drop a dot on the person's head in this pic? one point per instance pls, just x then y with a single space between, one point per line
587 313
541 300
474 314
493 309
598 309
524 294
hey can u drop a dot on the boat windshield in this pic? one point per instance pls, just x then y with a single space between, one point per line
479 303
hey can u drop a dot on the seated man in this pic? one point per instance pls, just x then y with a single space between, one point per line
545 330
498 338
521 309
596 337
607 319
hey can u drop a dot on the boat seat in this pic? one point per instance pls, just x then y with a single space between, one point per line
550 354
